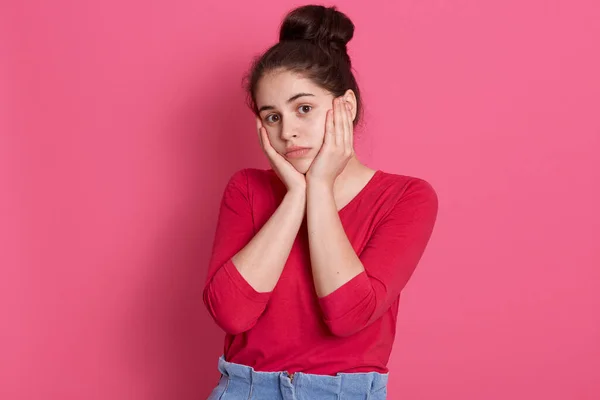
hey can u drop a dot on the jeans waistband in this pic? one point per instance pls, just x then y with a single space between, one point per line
347 384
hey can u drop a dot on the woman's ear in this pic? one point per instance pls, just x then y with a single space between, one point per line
350 98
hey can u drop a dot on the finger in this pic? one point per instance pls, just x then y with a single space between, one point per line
267 148
329 127
258 122
262 142
338 122
346 141
350 127
346 131
258 132
267 140
271 152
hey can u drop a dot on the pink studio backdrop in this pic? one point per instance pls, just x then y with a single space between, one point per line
122 120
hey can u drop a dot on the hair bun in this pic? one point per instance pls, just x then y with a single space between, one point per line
322 25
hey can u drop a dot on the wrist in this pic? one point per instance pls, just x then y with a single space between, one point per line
298 193
319 184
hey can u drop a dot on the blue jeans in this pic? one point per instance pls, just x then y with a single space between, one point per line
243 382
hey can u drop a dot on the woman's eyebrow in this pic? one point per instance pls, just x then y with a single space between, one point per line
294 97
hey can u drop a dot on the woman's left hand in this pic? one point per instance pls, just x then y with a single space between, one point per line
338 146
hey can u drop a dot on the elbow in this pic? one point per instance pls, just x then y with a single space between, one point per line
228 320
343 329
353 321
232 326
349 324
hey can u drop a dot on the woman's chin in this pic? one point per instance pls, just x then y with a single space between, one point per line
302 165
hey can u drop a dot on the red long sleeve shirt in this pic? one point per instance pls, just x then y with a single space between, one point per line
388 223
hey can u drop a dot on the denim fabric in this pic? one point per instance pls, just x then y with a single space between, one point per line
243 382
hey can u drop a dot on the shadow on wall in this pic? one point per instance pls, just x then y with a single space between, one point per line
208 137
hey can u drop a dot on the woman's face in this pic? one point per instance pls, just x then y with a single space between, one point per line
292 110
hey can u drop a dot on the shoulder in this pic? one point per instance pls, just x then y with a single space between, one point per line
405 188
253 180
253 176
408 197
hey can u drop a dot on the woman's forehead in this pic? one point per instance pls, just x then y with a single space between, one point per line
278 87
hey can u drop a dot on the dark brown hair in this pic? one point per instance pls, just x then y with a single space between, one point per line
312 42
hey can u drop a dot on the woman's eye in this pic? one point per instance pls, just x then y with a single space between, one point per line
306 108
273 118
269 119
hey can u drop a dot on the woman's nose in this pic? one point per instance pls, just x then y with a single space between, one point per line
288 130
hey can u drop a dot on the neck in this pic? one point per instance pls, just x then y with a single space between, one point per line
350 172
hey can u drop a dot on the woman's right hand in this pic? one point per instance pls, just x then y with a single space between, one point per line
289 175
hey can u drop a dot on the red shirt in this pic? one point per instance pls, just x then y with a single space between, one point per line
388 223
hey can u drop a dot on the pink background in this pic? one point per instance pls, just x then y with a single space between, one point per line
122 120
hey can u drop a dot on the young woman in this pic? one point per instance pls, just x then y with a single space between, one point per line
309 257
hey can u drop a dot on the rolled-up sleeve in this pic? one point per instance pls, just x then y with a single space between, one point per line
231 301
389 259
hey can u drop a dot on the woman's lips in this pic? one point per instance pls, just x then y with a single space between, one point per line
297 153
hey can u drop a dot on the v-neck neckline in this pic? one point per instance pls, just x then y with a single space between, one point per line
356 198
